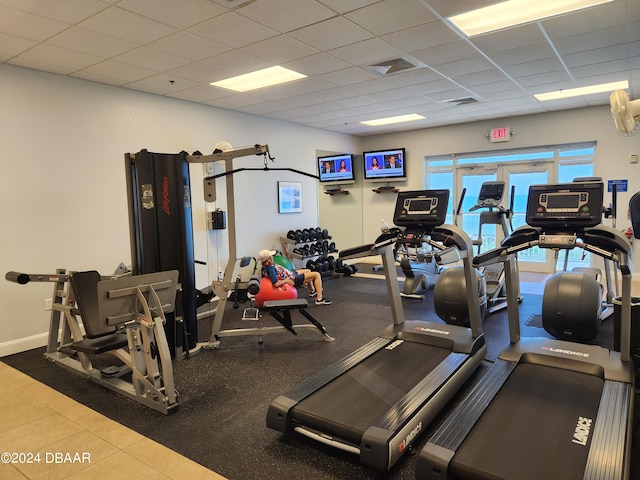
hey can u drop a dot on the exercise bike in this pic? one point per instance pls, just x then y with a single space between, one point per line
490 198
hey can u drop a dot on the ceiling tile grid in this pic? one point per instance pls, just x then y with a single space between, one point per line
178 47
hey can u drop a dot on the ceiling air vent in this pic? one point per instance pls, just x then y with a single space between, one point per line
395 65
456 102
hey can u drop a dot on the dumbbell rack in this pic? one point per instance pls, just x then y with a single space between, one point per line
313 246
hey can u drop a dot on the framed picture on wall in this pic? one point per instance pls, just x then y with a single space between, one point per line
289 197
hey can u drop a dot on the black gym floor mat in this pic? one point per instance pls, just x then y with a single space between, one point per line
225 393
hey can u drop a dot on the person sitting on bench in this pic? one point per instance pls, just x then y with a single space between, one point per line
281 276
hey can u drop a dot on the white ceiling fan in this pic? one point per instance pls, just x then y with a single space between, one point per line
625 113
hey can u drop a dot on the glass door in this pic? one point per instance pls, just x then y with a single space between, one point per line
519 175
469 221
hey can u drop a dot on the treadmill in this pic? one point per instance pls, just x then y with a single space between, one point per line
376 401
547 409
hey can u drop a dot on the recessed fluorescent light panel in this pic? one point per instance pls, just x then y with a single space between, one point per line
576 92
266 77
389 120
515 12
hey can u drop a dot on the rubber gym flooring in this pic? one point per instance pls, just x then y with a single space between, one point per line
225 393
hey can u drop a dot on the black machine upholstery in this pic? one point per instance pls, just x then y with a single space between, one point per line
634 212
99 338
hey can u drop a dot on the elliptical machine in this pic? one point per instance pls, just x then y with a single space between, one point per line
490 197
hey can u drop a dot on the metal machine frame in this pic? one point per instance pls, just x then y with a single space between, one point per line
131 313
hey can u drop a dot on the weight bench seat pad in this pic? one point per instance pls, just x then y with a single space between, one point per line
104 343
285 304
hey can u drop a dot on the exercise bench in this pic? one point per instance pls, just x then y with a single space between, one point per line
281 311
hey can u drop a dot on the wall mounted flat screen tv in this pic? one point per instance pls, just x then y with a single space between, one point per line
385 165
336 169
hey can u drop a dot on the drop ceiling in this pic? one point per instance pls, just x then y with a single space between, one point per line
365 59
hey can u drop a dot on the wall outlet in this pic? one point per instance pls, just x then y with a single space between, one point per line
633 158
48 304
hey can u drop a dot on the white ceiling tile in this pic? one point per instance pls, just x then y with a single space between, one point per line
523 55
465 67
367 52
447 8
592 40
509 39
66 11
11 46
28 26
359 101
234 63
279 49
233 30
234 101
344 6
198 72
432 87
331 33
599 55
480 78
187 45
534 68
199 93
422 36
162 84
93 43
151 59
119 72
63 60
292 89
550 80
286 15
391 15
347 76
448 53
181 14
127 26
587 20
616 70
317 64
193 42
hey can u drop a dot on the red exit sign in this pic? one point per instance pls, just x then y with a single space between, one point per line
500 134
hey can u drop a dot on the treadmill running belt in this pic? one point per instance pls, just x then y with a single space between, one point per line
347 406
537 427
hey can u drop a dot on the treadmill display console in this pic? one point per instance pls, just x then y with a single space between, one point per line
565 205
491 191
421 208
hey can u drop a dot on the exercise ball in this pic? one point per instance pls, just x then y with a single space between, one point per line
450 296
571 306
283 262
269 292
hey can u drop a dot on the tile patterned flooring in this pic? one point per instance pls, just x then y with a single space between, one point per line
66 440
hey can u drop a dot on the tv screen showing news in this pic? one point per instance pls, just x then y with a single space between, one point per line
336 168
385 165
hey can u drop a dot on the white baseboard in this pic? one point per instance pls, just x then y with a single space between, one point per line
23 344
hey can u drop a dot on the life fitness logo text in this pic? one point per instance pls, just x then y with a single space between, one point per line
410 438
165 195
567 352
